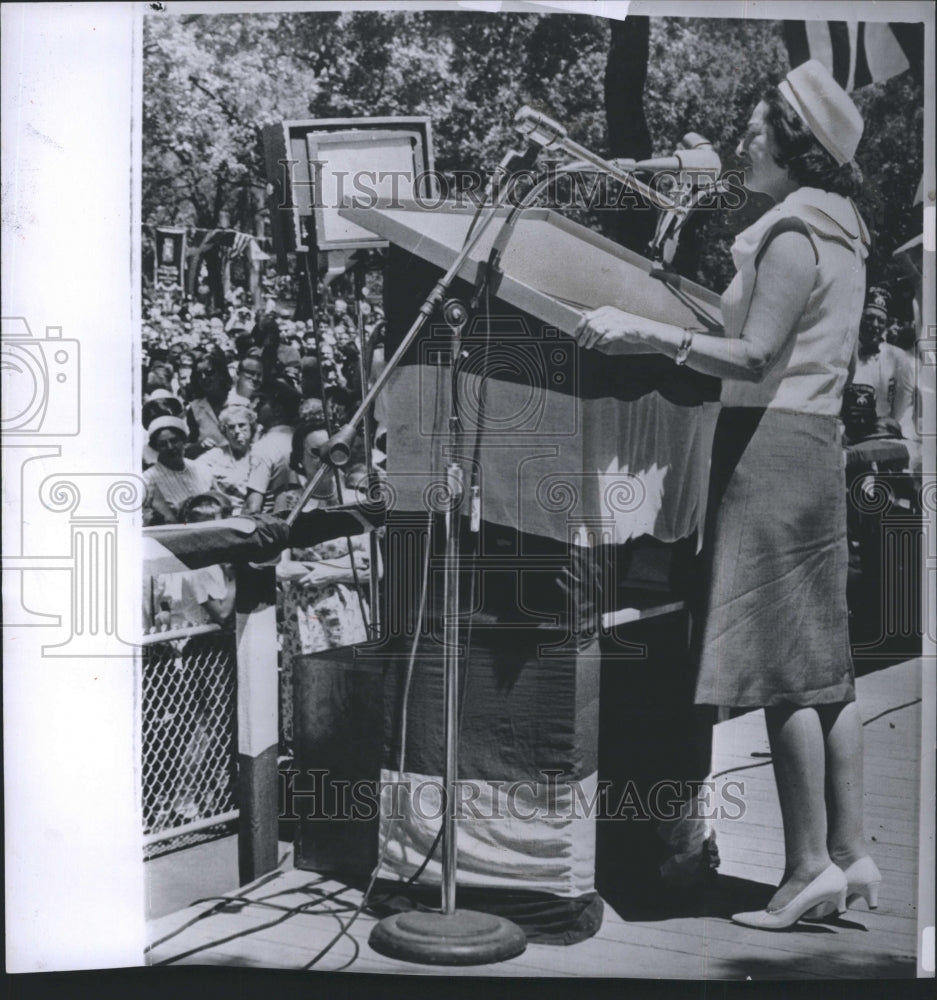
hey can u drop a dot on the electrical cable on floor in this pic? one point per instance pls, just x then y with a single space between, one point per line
408 677
269 877
246 932
365 900
366 896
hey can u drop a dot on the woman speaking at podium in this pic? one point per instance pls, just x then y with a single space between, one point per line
773 631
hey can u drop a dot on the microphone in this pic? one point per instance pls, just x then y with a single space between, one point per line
698 156
537 127
337 450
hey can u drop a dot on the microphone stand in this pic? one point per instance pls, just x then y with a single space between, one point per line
452 937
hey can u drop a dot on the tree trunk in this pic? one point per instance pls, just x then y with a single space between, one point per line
628 135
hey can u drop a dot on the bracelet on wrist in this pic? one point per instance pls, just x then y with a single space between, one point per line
683 351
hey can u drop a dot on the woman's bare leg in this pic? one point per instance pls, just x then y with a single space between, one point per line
842 731
797 749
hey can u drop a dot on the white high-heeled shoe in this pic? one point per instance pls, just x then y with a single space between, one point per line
862 881
827 889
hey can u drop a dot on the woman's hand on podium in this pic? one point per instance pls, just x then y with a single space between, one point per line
613 331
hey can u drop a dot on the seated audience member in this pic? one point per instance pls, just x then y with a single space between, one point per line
308 439
173 478
250 376
311 409
310 378
209 389
339 406
277 414
290 364
161 375
349 359
159 403
229 463
883 370
243 342
184 366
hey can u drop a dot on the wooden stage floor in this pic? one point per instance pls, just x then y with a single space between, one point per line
692 939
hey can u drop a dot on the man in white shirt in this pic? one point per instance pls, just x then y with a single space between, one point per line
883 375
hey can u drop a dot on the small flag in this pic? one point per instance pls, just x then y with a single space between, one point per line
857 53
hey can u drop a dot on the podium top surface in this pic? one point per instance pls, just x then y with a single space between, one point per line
552 268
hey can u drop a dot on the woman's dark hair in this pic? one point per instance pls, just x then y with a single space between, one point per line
281 395
303 430
806 160
219 367
243 342
166 406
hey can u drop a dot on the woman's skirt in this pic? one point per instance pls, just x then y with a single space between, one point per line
772 622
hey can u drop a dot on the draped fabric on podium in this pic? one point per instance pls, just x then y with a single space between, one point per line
527 763
529 675
569 441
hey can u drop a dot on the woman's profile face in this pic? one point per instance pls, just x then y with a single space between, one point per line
757 151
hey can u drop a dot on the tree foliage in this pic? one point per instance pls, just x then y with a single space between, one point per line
212 82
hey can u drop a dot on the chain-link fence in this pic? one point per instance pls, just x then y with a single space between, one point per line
189 696
189 737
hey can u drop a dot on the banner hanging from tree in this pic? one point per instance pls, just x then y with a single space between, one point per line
169 264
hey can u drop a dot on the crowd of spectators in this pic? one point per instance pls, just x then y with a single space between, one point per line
229 398
236 405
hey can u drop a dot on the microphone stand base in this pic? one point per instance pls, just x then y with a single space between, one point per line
463 937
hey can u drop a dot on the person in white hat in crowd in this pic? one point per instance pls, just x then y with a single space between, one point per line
173 478
158 403
771 626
